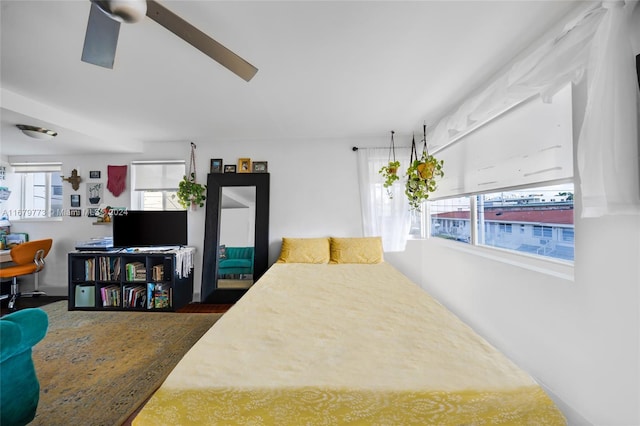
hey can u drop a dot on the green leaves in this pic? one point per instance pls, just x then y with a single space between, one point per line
190 193
422 178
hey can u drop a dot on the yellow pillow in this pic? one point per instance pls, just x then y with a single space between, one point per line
304 250
356 250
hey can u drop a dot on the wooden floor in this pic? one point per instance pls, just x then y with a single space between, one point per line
29 302
205 308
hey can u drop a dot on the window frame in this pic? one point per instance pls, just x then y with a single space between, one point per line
560 268
22 213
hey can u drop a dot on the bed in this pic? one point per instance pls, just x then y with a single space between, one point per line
344 339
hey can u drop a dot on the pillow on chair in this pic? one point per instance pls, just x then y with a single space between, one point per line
20 394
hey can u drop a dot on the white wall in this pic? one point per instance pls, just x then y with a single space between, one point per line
314 192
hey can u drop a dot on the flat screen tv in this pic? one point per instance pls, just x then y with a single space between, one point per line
137 228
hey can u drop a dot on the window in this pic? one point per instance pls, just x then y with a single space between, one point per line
159 200
155 183
36 191
516 174
545 223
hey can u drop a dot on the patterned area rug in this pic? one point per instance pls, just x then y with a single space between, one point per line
97 368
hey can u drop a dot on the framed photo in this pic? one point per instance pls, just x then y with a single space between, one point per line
94 193
75 200
75 212
94 174
244 165
216 165
230 168
259 167
93 212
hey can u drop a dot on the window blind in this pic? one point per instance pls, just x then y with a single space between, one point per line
529 144
157 175
36 167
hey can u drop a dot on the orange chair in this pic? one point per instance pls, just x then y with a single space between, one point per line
28 258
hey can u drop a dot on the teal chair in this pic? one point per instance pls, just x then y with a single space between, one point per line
19 385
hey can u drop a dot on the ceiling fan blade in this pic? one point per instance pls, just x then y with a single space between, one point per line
200 40
101 38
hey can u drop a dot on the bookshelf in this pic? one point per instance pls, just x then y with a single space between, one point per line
144 281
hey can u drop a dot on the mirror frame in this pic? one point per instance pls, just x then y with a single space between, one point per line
209 293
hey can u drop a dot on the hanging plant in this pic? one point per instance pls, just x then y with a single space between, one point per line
422 175
390 171
190 193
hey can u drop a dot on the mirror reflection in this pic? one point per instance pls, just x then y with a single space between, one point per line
236 253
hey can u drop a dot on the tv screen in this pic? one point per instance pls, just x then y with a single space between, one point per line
137 228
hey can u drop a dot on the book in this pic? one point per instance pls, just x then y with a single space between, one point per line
157 272
134 296
161 296
110 296
89 269
136 271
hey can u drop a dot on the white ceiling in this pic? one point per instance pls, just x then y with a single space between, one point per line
327 69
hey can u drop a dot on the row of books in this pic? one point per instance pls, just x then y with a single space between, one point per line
154 296
134 296
110 296
136 271
109 270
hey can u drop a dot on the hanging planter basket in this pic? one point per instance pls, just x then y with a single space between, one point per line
390 171
422 175
190 193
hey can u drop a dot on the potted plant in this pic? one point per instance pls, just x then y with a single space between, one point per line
390 171
422 177
390 175
190 193
422 174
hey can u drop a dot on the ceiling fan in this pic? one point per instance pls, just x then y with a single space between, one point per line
103 28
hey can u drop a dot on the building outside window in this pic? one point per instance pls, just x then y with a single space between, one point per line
544 216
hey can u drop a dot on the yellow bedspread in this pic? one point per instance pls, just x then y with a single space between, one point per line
344 344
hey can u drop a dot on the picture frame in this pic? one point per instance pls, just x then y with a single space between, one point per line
94 193
230 168
94 174
75 200
259 167
216 165
244 165
93 212
75 212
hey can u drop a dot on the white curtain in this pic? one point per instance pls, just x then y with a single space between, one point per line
384 216
608 147
596 44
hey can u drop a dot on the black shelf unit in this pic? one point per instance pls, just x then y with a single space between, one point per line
123 281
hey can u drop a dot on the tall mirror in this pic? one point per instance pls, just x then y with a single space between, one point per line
236 235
